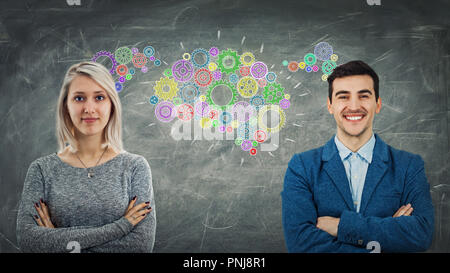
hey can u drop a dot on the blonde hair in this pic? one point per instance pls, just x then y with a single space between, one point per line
112 133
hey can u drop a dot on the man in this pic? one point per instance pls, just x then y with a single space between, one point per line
356 189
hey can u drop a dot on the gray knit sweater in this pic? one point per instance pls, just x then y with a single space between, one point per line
88 212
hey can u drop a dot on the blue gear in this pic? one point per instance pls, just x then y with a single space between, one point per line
200 50
225 118
118 86
149 51
188 97
154 100
271 77
257 101
157 62
233 78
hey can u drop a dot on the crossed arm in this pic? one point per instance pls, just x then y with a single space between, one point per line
306 232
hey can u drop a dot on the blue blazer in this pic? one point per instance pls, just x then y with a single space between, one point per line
316 185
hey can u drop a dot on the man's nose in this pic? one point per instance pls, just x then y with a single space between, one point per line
354 104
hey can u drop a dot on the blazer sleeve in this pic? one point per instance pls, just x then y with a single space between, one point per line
142 238
299 216
400 234
34 238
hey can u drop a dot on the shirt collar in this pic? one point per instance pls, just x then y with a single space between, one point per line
366 151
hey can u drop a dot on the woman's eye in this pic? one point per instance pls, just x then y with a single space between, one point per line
100 97
78 98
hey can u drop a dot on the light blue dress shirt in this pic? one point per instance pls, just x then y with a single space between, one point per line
356 165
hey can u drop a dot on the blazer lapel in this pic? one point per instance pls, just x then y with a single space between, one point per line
375 172
336 171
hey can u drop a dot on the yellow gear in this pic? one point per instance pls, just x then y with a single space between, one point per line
271 107
334 57
161 84
212 66
247 54
247 87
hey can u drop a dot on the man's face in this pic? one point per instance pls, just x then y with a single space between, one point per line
353 105
89 106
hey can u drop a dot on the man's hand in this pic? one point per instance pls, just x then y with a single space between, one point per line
404 211
328 224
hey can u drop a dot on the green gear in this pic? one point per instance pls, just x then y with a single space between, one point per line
123 55
225 56
211 88
273 93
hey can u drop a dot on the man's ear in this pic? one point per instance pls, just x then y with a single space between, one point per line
378 109
329 106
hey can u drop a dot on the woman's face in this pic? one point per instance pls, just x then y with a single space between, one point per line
89 106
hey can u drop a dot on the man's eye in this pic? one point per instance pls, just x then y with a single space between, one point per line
364 96
343 97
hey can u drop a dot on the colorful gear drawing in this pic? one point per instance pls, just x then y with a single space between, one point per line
148 51
245 71
227 84
259 70
328 67
202 108
212 66
182 70
189 92
245 56
281 114
165 111
139 60
225 118
246 131
110 56
310 59
273 93
217 75
214 51
203 77
118 87
257 101
271 77
185 112
285 103
154 99
202 51
242 111
293 66
323 51
160 86
247 87
123 55
233 78
122 70
228 61
260 136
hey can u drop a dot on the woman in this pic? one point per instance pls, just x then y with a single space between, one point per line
86 195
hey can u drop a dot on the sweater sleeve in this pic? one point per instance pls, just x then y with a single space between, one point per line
33 238
142 238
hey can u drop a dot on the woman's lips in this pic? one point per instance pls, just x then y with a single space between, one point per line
90 120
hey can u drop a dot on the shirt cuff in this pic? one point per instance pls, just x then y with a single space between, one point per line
347 229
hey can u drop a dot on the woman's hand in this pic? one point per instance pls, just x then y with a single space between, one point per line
43 219
135 214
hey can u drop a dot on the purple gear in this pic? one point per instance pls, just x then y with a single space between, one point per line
182 70
243 111
285 103
110 56
202 108
213 51
259 70
165 111
246 145
217 75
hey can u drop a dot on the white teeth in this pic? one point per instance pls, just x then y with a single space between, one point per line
354 118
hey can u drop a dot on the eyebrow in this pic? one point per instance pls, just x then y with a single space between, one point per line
81 92
348 92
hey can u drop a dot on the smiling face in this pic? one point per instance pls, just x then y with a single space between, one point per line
354 105
88 105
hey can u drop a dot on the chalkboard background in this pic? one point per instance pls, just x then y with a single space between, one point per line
210 195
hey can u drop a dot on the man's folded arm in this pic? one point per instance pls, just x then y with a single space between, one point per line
396 234
299 216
